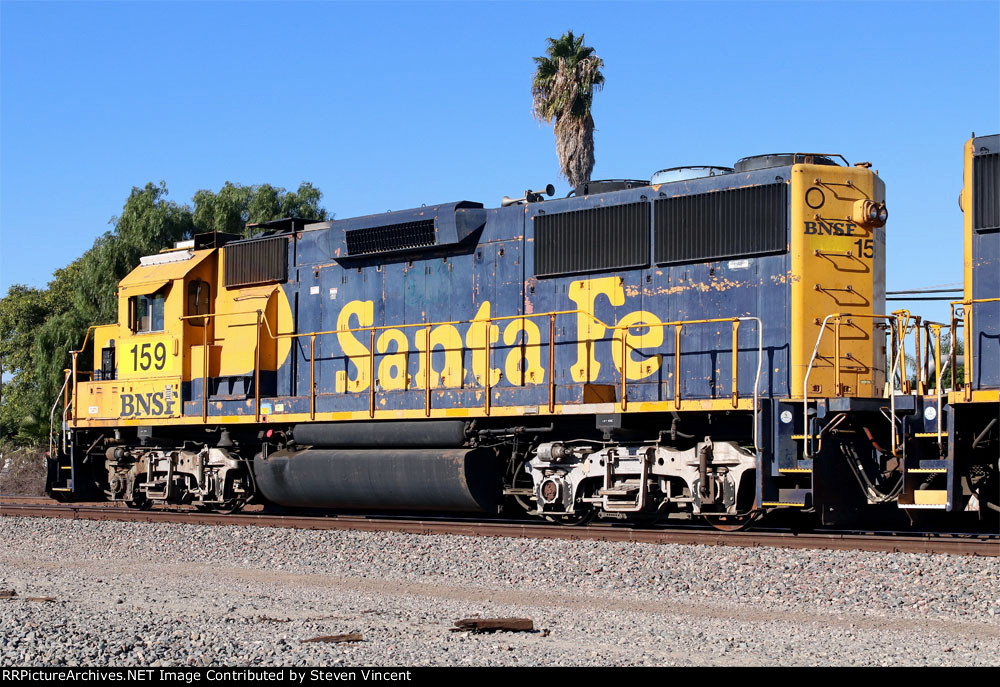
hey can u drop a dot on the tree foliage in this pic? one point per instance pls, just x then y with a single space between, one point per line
235 206
563 91
38 327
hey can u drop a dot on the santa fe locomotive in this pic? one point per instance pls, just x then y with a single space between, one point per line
714 343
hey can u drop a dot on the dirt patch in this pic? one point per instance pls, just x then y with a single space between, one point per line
22 471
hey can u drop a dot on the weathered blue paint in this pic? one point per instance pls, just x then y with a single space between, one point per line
494 263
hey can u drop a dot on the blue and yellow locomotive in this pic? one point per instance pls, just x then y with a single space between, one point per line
714 343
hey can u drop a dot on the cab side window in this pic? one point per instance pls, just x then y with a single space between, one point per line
199 301
146 312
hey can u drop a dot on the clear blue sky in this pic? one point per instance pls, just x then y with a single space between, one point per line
387 106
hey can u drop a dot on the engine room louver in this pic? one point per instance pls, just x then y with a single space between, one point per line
601 238
986 192
390 238
256 262
722 224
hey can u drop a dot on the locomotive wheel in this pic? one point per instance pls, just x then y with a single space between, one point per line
141 503
230 507
732 523
574 520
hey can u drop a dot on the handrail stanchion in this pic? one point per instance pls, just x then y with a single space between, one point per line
837 388
552 363
371 376
936 328
953 353
70 408
677 365
736 364
312 377
917 353
624 370
204 374
427 370
489 369
62 416
904 383
256 373
968 362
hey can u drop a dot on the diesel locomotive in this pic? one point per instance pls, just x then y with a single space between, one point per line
712 343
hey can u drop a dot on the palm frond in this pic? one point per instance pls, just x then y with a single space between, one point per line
563 91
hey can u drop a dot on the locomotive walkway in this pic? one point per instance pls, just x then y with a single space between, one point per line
935 543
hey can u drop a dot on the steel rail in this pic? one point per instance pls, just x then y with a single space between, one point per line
971 545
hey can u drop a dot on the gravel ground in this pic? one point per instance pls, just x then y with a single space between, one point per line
163 594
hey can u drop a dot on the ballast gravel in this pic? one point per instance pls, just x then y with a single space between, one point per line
192 595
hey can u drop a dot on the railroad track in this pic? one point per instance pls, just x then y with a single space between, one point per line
968 545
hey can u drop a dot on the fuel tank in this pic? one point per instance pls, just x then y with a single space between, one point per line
447 479
393 434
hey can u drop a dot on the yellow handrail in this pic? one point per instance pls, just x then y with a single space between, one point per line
968 369
837 317
263 320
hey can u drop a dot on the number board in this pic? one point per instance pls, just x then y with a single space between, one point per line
147 356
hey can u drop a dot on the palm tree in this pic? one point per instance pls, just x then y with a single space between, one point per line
563 90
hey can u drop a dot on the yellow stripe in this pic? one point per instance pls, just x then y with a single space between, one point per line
927 470
794 469
978 396
418 413
780 503
927 435
803 436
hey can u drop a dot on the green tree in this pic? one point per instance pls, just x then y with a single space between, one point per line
38 327
563 91
22 311
235 206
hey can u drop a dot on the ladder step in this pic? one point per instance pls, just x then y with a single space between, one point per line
617 492
930 497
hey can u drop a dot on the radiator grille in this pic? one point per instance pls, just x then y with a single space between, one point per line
390 238
256 262
986 191
603 238
722 224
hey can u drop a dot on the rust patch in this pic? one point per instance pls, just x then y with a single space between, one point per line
494 625
10 594
336 639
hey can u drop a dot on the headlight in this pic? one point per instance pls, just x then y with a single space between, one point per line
869 213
